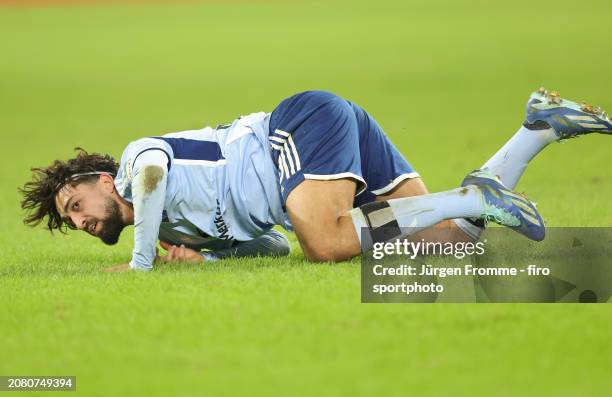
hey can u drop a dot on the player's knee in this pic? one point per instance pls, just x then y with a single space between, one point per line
322 253
332 248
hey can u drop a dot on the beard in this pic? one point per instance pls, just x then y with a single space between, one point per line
112 225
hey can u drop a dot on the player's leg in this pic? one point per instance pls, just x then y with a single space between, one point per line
445 231
318 211
324 222
315 142
327 232
315 137
482 194
548 119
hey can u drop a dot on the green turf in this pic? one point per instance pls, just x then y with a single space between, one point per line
448 82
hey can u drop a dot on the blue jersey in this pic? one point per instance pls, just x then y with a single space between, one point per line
219 183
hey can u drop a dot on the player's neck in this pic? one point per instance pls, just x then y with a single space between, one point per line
127 211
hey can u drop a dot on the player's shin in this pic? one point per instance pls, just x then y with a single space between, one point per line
386 220
510 162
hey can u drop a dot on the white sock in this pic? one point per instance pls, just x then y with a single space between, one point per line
509 164
421 212
418 212
510 161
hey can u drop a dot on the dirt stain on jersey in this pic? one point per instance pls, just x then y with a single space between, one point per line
152 175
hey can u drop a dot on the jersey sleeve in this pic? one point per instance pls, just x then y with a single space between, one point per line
149 173
131 155
271 243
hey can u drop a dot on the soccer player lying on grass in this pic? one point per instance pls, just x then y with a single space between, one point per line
318 164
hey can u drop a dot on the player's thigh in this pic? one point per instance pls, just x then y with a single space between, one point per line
318 212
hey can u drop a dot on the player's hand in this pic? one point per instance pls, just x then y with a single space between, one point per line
118 268
180 254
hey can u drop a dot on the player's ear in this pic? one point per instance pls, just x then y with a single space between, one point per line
108 183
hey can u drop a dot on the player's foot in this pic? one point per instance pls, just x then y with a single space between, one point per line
505 207
569 119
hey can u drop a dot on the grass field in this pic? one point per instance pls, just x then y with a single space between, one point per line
446 79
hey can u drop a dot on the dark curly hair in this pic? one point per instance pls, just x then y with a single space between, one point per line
39 194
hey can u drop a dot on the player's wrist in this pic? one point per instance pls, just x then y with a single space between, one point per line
135 266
